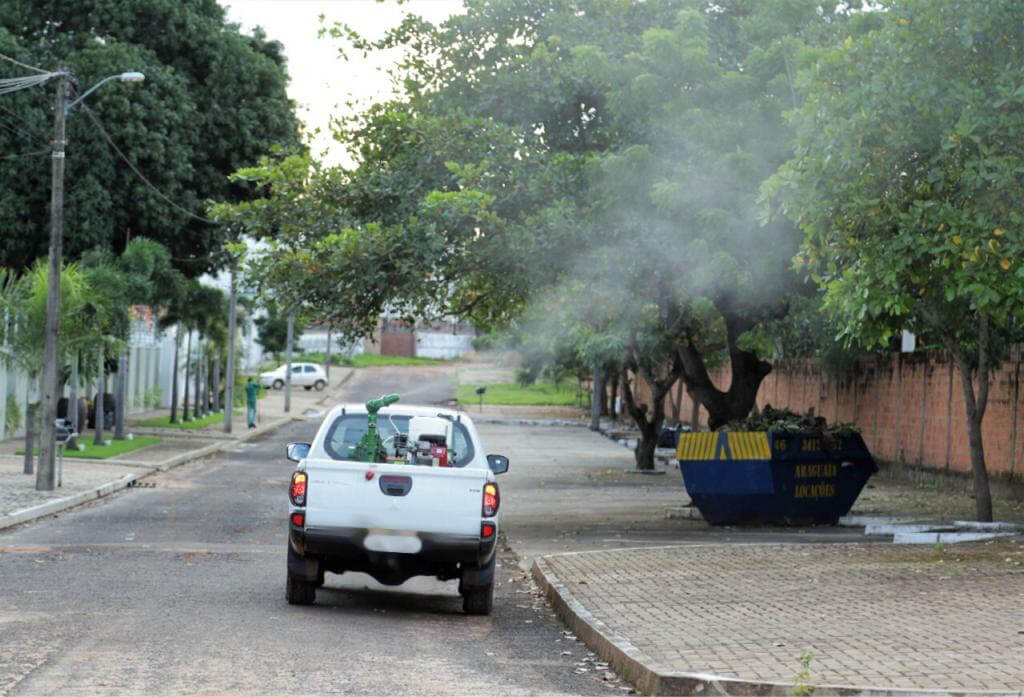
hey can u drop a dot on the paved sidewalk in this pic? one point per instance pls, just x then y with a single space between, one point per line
85 480
872 616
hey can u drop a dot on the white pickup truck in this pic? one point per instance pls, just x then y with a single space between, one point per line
394 492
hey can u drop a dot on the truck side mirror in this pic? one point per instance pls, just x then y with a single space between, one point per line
498 463
296 451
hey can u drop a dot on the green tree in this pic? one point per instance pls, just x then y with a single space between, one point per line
213 101
272 330
905 181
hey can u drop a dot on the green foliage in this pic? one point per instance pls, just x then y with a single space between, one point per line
272 330
904 173
773 420
152 397
213 100
905 182
625 147
23 301
801 680
12 415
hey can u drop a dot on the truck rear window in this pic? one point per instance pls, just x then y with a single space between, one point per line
346 431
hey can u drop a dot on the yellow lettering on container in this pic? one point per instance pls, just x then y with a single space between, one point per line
814 491
812 471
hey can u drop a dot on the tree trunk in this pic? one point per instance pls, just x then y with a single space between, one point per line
974 404
288 362
101 385
327 356
650 428
982 491
218 403
229 382
188 367
694 410
30 434
122 385
72 413
596 390
197 410
174 376
677 403
747 373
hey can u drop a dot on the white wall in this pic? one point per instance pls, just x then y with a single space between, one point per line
442 345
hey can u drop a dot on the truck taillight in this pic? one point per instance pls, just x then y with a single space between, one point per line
298 491
491 500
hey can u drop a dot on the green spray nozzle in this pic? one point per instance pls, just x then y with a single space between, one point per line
375 405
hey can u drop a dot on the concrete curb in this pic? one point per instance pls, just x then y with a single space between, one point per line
58 505
178 460
631 663
516 421
50 507
341 383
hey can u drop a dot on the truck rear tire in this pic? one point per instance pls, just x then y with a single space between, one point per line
299 592
478 601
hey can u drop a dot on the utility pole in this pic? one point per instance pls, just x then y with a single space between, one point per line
46 475
327 356
288 364
229 387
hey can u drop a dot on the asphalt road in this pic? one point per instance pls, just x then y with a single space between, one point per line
177 587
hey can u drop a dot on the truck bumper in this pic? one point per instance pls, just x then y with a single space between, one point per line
345 549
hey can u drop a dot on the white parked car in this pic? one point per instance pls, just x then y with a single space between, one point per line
308 375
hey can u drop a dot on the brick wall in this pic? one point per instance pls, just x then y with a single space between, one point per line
909 406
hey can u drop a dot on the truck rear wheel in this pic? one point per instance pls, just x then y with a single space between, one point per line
478 601
299 592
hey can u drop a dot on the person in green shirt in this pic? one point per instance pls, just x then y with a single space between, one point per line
252 393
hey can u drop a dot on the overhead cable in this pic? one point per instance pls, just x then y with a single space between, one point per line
23 65
139 174
13 84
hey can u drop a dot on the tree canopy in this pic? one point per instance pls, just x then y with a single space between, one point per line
213 101
906 181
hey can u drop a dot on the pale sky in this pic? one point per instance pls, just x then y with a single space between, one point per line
322 82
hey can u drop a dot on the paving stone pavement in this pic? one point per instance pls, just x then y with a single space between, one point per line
882 616
18 491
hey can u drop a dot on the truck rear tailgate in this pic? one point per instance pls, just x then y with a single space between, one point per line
394 497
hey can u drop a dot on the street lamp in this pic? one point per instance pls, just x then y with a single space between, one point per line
123 77
46 478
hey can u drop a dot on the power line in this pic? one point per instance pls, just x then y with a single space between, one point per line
33 128
25 154
23 65
13 84
140 175
20 133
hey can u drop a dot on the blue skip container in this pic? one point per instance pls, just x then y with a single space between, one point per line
743 477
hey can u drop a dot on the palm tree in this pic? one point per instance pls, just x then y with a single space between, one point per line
23 301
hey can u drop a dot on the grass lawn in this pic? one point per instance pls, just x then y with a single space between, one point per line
537 394
101 452
369 360
165 421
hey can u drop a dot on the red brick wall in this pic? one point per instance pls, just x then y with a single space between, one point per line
909 406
